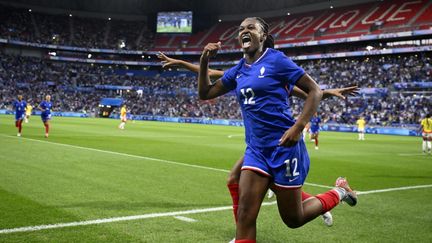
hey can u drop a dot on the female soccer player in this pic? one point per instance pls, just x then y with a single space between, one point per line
426 126
46 106
123 117
275 155
361 124
28 113
314 128
234 175
20 107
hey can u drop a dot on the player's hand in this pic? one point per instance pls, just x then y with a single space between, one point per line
291 136
167 61
344 92
211 49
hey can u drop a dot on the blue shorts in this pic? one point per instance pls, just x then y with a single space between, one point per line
288 166
19 116
46 118
314 130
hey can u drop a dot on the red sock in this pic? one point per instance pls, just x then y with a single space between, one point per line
305 195
245 241
16 123
20 126
316 142
46 128
328 200
234 191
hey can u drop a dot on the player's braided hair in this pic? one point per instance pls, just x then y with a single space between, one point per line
269 42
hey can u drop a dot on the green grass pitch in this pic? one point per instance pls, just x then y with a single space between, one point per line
88 169
172 29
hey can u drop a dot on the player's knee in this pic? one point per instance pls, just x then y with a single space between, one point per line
233 178
293 223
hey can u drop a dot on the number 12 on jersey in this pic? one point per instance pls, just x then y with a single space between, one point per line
248 96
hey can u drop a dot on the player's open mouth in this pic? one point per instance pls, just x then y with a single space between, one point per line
246 41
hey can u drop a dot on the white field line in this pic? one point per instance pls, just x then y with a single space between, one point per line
138 157
167 214
412 154
393 189
118 153
235 135
186 219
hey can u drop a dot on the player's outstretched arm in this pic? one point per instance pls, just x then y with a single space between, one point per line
172 62
341 92
327 93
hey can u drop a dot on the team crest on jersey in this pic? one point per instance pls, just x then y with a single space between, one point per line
262 70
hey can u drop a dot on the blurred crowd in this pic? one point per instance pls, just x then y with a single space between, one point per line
26 25
74 88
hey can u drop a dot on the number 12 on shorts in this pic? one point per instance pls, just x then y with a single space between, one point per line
291 168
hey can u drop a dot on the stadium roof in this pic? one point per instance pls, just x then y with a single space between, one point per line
146 7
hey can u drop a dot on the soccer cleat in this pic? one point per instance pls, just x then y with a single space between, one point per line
316 148
46 135
350 196
328 218
19 135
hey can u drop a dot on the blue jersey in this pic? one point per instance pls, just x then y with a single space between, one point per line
315 124
47 106
262 89
20 107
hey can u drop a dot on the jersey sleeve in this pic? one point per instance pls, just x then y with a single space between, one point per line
288 70
229 78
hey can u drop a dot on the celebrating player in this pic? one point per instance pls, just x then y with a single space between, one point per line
46 106
234 176
426 126
123 117
20 107
361 125
275 155
28 113
314 128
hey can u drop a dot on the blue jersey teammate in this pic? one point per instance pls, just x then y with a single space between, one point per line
314 128
46 106
20 107
275 155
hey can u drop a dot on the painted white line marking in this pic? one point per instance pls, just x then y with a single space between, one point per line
118 153
138 157
394 189
186 219
412 154
158 215
235 135
118 219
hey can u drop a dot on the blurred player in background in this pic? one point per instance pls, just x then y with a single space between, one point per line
314 128
20 107
426 126
123 117
28 113
361 128
234 175
46 106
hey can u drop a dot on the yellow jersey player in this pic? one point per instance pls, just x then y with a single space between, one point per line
28 113
361 124
123 117
426 126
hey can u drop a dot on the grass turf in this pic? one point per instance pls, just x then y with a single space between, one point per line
112 173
